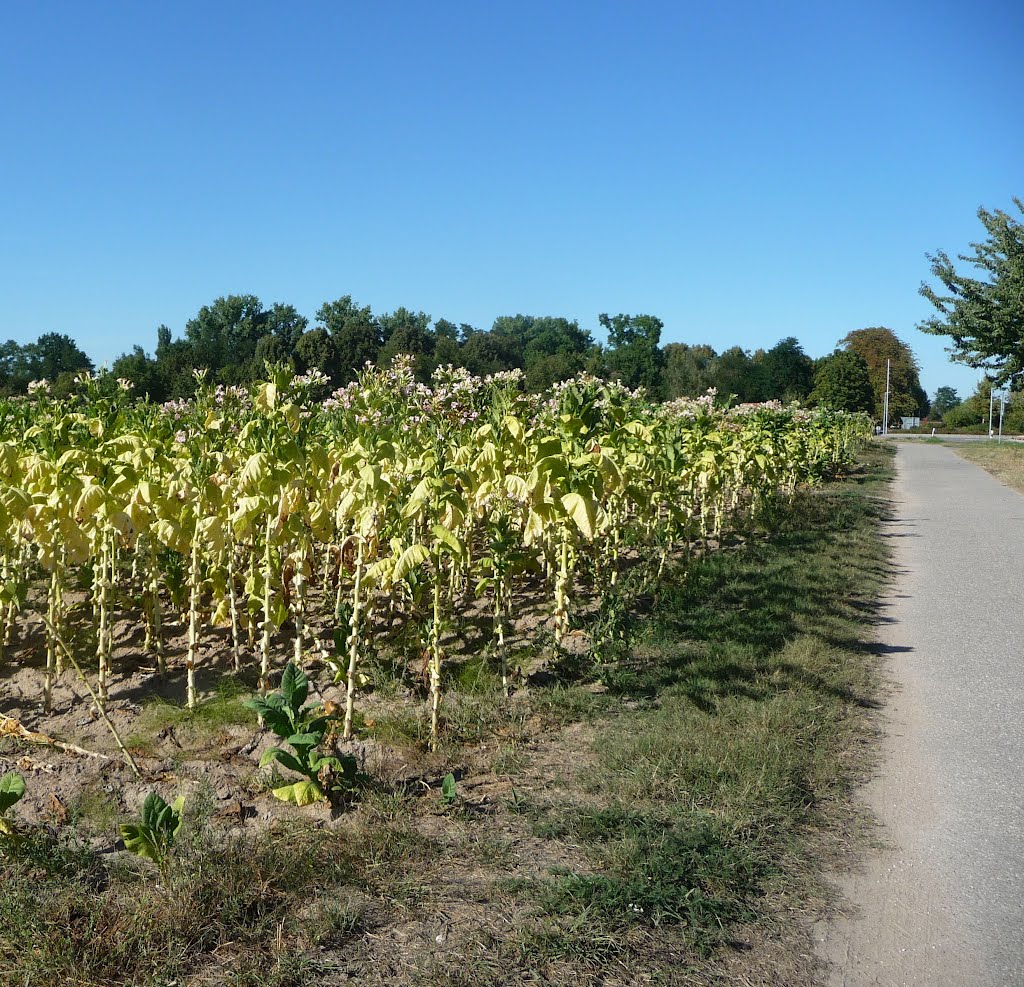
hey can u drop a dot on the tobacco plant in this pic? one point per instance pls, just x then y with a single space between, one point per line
152 837
304 728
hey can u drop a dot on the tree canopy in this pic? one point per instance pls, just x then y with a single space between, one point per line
877 345
235 337
945 399
984 316
842 383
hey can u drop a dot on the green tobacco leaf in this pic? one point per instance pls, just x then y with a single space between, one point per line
12 788
449 540
449 792
139 840
283 757
294 685
304 739
179 819
272 713
152 811
301 793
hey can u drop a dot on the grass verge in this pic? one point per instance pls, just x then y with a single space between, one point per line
713 805
1004 460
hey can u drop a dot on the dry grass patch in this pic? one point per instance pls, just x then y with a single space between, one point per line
1004 460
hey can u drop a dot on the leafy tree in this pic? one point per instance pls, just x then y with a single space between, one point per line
633 355
984 316
144 372
408 333
878 345
223 335
555 350
490 352
54 354
787 372
447 351
315 349
687 370
945 398
413 323
270 349
16 368
736 374
356 333
842 383
286 325
973 412
444 329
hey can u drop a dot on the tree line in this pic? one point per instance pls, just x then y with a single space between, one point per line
236 336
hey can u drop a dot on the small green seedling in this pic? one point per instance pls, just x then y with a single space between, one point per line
153 836
12 788
449 793
303 728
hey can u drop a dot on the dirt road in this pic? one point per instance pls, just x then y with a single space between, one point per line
945 905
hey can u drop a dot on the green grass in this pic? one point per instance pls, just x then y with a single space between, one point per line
192 727
254 908
720 792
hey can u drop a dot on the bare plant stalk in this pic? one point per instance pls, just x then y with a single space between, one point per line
96 700
354 639
52 609
268 599
156 642
236 644
435 658
104 636
299 610
561 589
194 586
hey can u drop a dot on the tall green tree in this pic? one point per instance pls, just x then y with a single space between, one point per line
633 355
945 399
315 350
984 316
687 371
223 335
736 374
877 345
842 383
408 333
356 333
787 371
485 353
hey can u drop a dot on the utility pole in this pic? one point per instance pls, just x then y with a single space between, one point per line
885 403
1002 408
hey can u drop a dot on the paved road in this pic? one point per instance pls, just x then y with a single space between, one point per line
945 905
918 436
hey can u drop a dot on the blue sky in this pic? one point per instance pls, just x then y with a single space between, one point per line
746 171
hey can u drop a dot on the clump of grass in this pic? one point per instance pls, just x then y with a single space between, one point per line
251 908
217 712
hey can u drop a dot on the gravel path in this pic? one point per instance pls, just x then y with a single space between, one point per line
945 904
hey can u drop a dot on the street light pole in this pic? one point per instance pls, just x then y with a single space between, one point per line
885 403
1002 409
